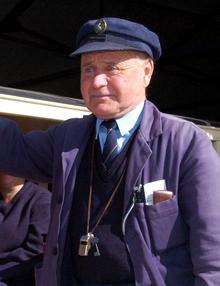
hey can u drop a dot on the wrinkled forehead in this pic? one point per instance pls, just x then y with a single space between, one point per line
112 56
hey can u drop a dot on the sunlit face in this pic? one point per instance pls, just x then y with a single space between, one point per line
113 83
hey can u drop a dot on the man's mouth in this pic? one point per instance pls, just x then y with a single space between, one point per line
100 96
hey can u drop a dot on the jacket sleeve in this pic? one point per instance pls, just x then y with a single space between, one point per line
200 190
23 259
30 155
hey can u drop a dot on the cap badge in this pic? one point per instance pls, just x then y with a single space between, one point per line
100 26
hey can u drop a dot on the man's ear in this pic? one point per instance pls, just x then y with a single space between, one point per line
149 68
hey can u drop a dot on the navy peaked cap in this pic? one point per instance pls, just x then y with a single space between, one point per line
111 34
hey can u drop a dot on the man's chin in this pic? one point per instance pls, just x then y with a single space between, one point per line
104 113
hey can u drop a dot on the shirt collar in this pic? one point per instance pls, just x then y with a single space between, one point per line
127 122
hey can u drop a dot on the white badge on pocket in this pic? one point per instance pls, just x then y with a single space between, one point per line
149 188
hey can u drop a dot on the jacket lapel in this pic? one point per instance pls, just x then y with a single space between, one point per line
70 164
139 154
80 136
150 128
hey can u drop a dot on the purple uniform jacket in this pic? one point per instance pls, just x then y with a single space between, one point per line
176 242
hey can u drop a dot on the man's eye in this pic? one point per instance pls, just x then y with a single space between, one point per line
87 70
113 69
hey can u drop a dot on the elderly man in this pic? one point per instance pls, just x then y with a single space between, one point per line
135 192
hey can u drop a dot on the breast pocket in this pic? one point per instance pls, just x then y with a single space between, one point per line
166 225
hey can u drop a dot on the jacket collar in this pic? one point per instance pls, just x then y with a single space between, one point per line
151 125
150 128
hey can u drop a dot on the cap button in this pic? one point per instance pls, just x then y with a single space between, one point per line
100 26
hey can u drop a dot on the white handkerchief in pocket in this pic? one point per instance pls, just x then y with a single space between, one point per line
149 188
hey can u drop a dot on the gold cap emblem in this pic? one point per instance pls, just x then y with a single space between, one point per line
100 26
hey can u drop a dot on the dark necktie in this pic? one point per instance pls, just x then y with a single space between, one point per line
110 146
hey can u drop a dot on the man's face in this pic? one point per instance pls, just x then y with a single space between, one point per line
6 181
113 83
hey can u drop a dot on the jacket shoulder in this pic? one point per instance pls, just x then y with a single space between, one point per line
176 125
36 192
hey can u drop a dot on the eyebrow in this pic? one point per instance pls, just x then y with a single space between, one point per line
86 64
104 61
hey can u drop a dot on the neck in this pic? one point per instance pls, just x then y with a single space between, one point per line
8 195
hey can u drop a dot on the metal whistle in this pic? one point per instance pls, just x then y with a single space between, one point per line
85 244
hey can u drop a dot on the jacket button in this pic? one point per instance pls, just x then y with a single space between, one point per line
60 200
54 250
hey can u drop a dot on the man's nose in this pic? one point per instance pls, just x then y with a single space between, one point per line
100 80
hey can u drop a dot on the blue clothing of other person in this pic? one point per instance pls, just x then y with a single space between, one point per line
23 223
